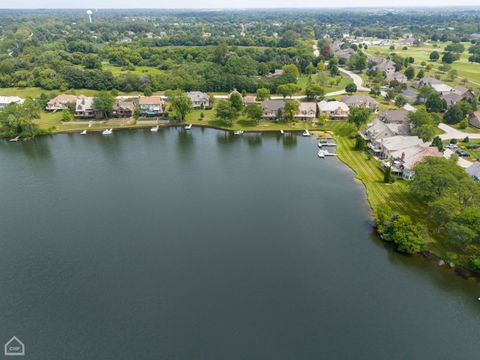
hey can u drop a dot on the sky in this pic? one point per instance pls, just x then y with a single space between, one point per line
177 4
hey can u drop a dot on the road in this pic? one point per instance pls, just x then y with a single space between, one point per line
451 133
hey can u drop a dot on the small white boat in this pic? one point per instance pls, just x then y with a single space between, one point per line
84 132
107 132
328 153
154 129
15 139
282 132
238 132
321 154
188 127
306 133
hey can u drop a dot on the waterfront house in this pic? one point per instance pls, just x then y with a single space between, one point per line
150 106
385 66
123 108
377 130
306 111
428 81
199 99
6 100
474 119
335 110
84 108
61 102
360 100
402 162
272 108
384 147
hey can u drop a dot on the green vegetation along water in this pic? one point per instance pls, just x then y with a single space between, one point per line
200 244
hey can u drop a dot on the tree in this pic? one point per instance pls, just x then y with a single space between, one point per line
289 39
400 100
287 89
225 111
359 116
180 103
435 103
438 143
263 94
236 100
423 124
67 116
420 74
410 73
387 175
351 88
360 143
17 119
290 74
454 114
103 103
92 61
254 112
449 57
290 109
314 92
434 55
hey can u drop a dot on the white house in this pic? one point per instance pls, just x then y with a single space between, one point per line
6 100
333 109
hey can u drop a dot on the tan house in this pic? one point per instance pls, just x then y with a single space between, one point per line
61 102
272 108
306 111
249 100
474 119
123 108
360 100
150 105
84 108
335 110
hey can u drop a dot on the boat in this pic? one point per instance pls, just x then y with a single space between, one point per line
107 132
188 127
282 132
306 133
328 153
154 129
238 132
84 132
327 143
15 139
321 154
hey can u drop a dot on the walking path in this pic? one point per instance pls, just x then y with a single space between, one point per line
451 133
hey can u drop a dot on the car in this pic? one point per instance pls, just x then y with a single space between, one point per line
462 153
452 146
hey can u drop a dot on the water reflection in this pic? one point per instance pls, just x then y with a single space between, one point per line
254 140
289 140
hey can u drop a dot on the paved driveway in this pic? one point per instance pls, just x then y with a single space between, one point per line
451 133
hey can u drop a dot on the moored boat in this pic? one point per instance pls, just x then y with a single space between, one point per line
188 127
306 133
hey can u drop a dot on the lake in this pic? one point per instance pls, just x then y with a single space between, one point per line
205 245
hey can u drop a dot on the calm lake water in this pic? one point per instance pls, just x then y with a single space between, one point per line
201 245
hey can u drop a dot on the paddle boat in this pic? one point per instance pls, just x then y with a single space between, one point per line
154 129
15 139
188 127
306 133
321 154
238 132
282 132
107 132
84 132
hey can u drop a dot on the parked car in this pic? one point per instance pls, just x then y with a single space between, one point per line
452 146
462 153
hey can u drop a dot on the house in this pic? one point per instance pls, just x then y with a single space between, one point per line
475 36
335 110
441 88
7 100
276 73
378 130
306 111
199 99
385 66
360 100
396 76
61 102
249 100
474 119
150 105
458 93
344 54
123 108
403 161
394 116
384 148
428 81
272 108
474 170
84 108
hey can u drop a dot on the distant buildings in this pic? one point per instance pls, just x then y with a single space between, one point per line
7 100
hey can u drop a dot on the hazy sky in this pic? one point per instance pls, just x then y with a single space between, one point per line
226 4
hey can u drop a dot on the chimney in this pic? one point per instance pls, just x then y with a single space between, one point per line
403 156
